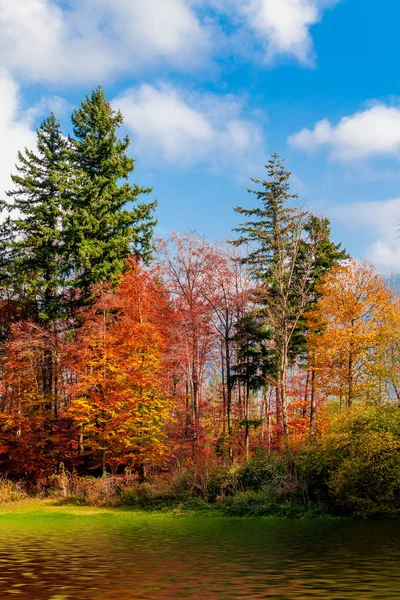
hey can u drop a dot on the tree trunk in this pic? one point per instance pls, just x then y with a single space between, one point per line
350 382
313 406
104 462
304 412
47 375
283 391
228 396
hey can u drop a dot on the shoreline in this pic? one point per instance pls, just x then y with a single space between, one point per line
55 506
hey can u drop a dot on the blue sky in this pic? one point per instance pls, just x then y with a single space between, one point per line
210 88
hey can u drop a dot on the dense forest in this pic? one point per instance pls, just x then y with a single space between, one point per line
263 371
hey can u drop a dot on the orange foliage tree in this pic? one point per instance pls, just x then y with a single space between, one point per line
351 331
30 434
119 398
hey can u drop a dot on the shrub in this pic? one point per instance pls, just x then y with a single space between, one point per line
357 461
11 491
104 491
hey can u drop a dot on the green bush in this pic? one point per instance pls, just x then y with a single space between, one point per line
356 463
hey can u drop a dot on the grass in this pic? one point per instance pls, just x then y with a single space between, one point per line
53 507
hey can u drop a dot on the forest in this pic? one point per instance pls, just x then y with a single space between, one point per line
259 375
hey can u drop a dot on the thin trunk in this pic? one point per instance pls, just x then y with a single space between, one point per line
104 462
228 395
81 449
247 412
278 410
304 412
224 393
283 391
350 386
269 421
313 406
47 377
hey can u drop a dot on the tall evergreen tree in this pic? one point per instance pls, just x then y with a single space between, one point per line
268 230
34 266
33 262
102 231
327 255
279 243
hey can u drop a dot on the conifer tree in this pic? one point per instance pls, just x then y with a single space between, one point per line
33 259
327 255
278 241
32 252
102 231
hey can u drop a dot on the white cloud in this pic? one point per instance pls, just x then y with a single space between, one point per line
95 39
185 128
91 40
15 130
371 132
281 26
285 25
380 223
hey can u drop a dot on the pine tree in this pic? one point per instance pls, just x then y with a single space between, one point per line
327 255
102 232
277 239
33 258
33 255
270 224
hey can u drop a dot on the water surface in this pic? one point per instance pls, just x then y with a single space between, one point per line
68 554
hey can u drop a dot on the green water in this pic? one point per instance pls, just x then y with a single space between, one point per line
65 553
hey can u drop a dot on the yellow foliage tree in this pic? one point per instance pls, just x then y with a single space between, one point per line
353 333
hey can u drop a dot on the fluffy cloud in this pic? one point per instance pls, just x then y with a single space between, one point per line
91 40
371 132
15 129
281 26
185 128
380 222
284 25
95 39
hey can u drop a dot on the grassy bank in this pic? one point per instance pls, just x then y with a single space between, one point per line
265 486
353 469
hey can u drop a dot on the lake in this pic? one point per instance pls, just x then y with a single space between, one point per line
66 553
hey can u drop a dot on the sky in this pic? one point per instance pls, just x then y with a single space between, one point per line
211 88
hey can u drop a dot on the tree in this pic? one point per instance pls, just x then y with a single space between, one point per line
327 255
228 296
30 437
102 231
33 257
119 399
187 263
282 255
256 365
349 331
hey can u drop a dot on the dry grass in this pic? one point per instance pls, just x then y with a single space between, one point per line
11 491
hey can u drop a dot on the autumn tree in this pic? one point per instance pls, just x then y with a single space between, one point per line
119 399
30 439
186 263
228 296
349 333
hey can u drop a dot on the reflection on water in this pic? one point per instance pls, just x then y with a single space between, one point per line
129 556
